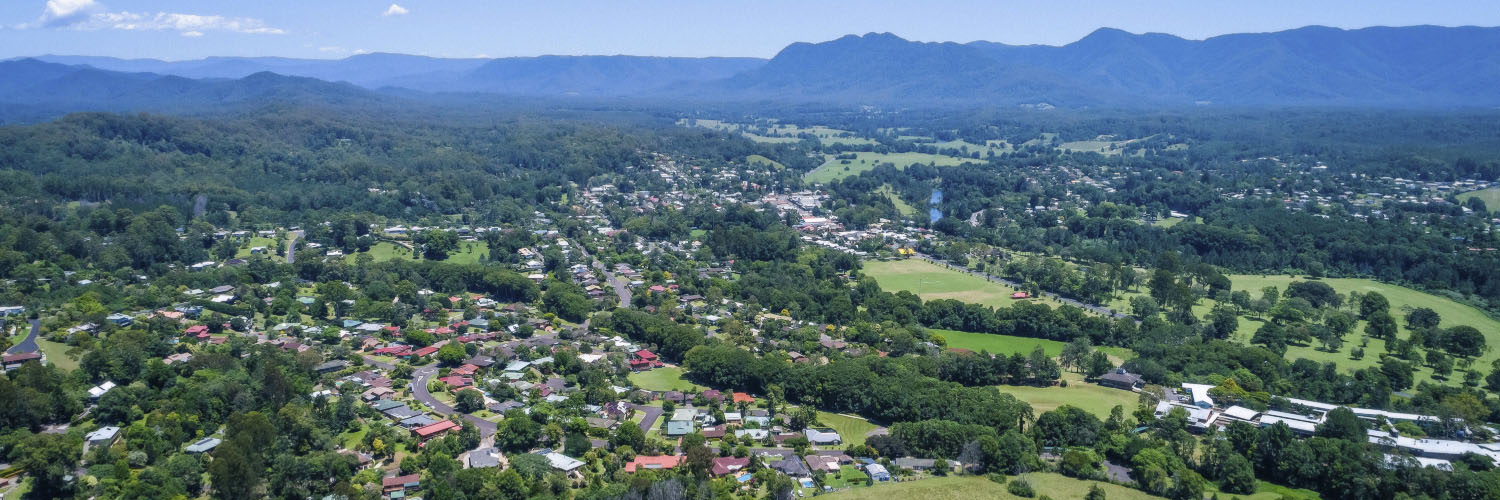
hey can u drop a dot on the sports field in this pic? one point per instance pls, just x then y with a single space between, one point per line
931 281
967 487
834 169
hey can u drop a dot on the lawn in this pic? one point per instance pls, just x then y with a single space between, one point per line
256 241
1490 197
1093 398
848 475
966 487
852 429
1401 298
468 252
834 169
761 160
56 353
352 439
1010 344
901 205
1168 222
663 379
931 281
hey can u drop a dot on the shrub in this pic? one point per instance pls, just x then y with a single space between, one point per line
1020 488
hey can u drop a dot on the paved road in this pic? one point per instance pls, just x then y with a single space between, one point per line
29 344
652 413
1087 307
291 247
622 289
419 391
379 364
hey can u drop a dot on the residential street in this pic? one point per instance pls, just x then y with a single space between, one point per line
419 390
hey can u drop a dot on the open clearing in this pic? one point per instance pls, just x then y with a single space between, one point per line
1490 197
468 252
1010 344
852 429
931 281
667 378
901 205
834 169
1093 398
56 353
966 487
761 160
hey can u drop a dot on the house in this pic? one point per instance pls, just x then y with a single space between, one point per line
199 331
362 461
823 463
120 320
1123 380
679 428
417 421
12 311
1199 393
483 458
823 437
1020 295
791 466
181 357
724 466
916 463
740 397
644 360
377 393
331 366
564 463
14 361
642 462
437 429
400 483
104 436
96 391
204 445
878 472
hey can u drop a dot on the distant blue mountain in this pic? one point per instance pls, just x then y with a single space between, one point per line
1417 66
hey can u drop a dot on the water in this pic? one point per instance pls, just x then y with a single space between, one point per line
933 214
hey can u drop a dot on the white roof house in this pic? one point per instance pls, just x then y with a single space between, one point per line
1199 393
563 462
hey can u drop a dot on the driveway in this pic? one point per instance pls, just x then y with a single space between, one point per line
419 391
29 343
652 413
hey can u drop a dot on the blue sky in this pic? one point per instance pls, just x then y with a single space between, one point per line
190 29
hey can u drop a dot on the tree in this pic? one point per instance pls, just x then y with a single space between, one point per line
235 471
1142 306
628 435
1075 352
1342 423
518 432
1422 318
469 401
1098 365
1095 493
1237 475
452 354
1464 340
1372 303
437 244
49 459
1380 325
1222 322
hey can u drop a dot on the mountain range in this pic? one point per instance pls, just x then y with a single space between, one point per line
1406 67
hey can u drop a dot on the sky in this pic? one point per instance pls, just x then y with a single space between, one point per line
192 29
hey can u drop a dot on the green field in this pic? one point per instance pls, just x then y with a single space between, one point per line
931 281
56 353
901 205
852 429
848 476
256 241
663 379
1490 197
966 487
468 252
1169 222
1401 298
1008 344
761 160
834 169
1093 398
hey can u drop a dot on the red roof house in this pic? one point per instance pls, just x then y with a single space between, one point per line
426 432
661 462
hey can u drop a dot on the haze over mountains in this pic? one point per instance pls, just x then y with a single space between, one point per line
1413 67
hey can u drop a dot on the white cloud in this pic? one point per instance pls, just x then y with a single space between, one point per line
168 21
67 12
396 10
192 34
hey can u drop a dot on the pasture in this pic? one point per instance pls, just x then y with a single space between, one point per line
1490 197
835 169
